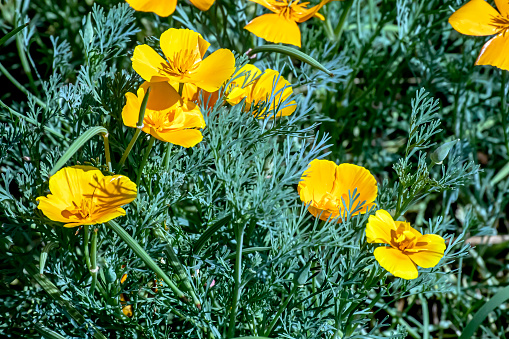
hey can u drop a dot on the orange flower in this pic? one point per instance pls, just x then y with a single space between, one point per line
407 246
165 7
192 93
327 187
253 85
282 26
478 18
184 51
167 118
82 195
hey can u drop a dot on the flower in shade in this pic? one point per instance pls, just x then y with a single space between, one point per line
281 25
407 249
82 195
185 63
257 87
337 190
167 117
165 7
478 18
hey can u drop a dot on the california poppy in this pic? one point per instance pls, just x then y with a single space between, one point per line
282 25
407 249
82 195
257 86
165 7
329 189
478 18
167 117
185 63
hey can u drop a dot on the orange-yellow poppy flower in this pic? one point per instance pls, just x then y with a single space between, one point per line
478 18
199 96
328 187
257 86
82 195
407 249
165 7
282 25
167 118
185 63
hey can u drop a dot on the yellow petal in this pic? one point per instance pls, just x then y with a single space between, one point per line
202 5
379 227
495 52
131 110
162 95
185 138
161 8
109 215
431 249
214 70
503 7
317 180
74 183
270 5
396 262
52 207
275 28
306 14
193 116
476 17
264 89
175 41
113 192
350 177
148 64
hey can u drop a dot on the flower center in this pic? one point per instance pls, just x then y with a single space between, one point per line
165 120
501 24
83 211
403 239
182 62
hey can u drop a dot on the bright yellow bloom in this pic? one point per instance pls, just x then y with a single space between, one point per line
184 50
407 249
478 18
282 26
167 118
327 187
257 86
82 195
165 7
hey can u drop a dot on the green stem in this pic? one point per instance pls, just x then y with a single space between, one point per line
107 151
24 63
144 160
425 317
339 28
140 252
167 156
86 240
280 311
181 88
503 111
21 87
238 277
94 268
128 149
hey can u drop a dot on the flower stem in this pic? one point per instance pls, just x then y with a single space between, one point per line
21 87
167 155
144 161
280 311
503 111
86 240
339 28
140 252
237 276
93 261
128 149
107 151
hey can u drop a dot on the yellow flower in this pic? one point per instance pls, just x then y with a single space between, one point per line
253 85
167 118
478 18
165 7
184 50
407 249
282 26
327 187
82 195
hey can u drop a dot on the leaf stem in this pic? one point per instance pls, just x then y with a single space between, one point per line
339 28
144 160
237 277
128 149
107 151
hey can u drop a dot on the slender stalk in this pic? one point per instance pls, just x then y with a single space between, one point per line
24 63
107 151
238 277
128 149
339 28
503 111
93 261
181 88
20 86
144 160
140 252
280 311
86 240
167 155
425 317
